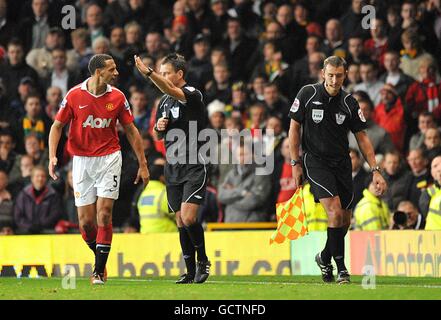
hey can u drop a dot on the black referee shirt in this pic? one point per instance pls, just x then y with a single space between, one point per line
326 121
180 114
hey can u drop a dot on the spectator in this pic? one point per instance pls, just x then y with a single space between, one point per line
41 59
314 75
218 23
216 115
353 77
393 173
433 218
377 46
245 194
359 176
276 104
32 123
149 209
6 206
154 44
18 182
38 207
144 12
257 120
333 44
180 38
394 75
138 101
371 213
432 143
257 87
95 22
199 67
417 179
32 148
60 76
238 106
8 115
283 182
389 114
272 66
370 82
118 43
33 29
412 219
81 50
219 88
412 54
54 96
351 22
198 16
15 69
7 154
133 38
424 94
7 25
380 139
426 120
240 48
26 87
356 52
303 19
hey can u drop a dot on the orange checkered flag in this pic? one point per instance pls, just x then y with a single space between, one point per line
291 219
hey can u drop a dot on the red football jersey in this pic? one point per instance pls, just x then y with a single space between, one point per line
93 119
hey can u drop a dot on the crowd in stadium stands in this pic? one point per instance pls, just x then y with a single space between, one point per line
249 58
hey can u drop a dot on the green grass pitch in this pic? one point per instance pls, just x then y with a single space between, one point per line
222 288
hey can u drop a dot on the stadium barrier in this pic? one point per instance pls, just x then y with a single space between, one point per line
388 253
213 226
231 253
391 253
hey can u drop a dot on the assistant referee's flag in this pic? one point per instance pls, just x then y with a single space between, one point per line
291 219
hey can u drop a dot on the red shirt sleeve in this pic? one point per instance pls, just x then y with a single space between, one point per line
125 116
65 113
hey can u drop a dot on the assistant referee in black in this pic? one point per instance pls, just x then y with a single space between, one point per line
180 106
327 113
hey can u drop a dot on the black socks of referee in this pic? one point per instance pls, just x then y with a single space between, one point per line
326 253
188 251
336 245
196 233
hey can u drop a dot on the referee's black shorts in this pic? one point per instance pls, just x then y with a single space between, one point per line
185 184
329 179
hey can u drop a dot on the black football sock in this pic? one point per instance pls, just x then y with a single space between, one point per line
92 246
102 253
337 247
326 253
188 251
196 233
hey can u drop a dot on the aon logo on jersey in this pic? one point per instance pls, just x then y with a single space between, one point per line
96 122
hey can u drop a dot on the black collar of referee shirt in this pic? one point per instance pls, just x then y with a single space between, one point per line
326 92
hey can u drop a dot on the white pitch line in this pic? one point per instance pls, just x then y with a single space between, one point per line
283 283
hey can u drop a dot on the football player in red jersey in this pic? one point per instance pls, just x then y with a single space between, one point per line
92 109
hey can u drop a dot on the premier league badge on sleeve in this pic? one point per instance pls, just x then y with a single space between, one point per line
317 115
340 118
295 106
361 115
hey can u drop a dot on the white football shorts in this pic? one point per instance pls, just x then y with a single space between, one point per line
96 176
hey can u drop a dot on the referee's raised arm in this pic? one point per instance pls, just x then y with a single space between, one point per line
160 80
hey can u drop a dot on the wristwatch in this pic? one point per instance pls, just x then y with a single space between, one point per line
149 72
295 162
376 168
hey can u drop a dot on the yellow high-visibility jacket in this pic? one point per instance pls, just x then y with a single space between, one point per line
371 213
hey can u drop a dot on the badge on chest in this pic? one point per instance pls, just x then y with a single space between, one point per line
175 112
317 115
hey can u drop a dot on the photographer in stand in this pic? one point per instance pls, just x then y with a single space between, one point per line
407 217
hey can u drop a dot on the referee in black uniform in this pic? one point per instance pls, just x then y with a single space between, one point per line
186 174
327 113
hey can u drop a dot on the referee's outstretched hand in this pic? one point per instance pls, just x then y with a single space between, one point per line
52 164
141 66
143 174
380 184
297 174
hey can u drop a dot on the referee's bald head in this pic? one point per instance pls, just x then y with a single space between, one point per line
98 61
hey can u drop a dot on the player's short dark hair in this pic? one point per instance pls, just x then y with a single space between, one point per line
177 61
156 171
335 61
98 61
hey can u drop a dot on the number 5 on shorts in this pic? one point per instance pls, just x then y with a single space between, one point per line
116 181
